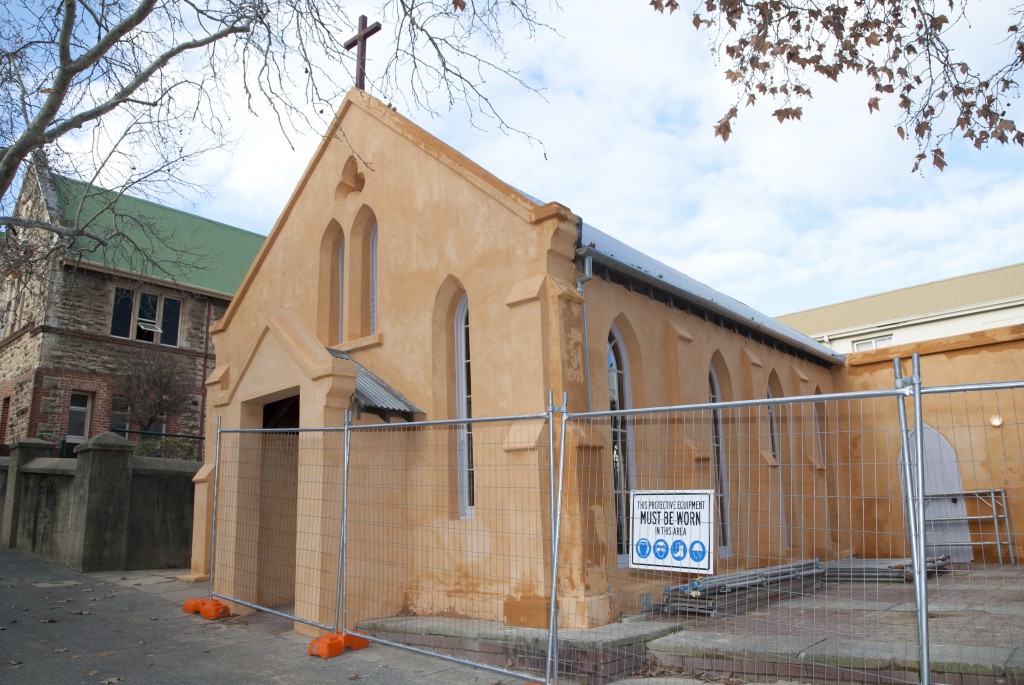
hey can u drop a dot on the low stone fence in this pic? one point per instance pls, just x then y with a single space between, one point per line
104 510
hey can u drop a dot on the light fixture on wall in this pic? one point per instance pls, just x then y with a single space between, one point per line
996 420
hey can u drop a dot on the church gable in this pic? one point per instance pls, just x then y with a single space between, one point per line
383 217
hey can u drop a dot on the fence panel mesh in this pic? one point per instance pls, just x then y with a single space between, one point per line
810 572
973 498
448 545
764 540
277 524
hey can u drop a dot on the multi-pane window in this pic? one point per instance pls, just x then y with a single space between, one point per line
776 447
11 307
464 409
79 414
718 459
145 316
872 343
5 415
373 281
120 416
618 384
341 292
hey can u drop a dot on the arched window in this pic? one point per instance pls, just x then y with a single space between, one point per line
464 408
618 399
341 291
776 449
372 290
718 463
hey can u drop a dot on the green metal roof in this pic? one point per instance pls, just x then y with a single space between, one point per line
182 248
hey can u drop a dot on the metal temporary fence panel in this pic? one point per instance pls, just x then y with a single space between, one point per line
448 540
801 520
277 522
977 610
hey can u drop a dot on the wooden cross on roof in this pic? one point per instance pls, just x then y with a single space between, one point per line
359 40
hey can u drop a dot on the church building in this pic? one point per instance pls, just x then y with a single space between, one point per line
396 256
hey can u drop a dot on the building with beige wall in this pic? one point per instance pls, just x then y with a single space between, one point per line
953 306
394 257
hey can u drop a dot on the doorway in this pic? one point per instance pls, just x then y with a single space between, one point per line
945 512
278 503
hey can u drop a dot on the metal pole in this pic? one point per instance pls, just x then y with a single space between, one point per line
341 542
556 526
340 615
906 476
920 569
213 519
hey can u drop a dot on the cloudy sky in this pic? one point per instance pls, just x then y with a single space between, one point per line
782 217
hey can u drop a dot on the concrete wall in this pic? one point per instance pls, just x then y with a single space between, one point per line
104 510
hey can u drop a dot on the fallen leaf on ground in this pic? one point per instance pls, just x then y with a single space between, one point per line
106 654
61 650
92 673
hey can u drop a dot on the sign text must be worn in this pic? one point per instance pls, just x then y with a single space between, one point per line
672 530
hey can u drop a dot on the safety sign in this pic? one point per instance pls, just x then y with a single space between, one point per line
671 530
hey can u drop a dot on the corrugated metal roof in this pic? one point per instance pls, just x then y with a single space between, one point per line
373 393
190 250
616 254
950 294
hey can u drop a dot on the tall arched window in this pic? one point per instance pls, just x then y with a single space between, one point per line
372 292
341 292
776 448
718 463
618 398
464 408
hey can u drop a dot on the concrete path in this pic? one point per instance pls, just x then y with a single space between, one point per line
59 626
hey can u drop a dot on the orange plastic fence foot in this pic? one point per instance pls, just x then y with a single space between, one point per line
330 646
194 605
207 608
212 609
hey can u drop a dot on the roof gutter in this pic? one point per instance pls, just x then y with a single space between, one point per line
148 278
712 306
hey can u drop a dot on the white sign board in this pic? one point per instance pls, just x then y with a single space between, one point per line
672 530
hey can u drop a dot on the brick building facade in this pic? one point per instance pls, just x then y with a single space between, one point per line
66 333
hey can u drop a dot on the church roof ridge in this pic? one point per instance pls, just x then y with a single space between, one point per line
613 252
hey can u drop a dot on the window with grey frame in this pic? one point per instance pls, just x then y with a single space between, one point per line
775 443
718 464
622 481
464 410
79 417
147 317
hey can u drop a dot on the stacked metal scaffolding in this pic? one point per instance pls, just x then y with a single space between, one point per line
734 593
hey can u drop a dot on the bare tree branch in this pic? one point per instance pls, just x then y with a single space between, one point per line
903 47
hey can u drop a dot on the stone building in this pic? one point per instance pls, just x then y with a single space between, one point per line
67 331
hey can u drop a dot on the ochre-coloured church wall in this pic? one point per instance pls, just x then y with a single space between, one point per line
987 454
447 228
